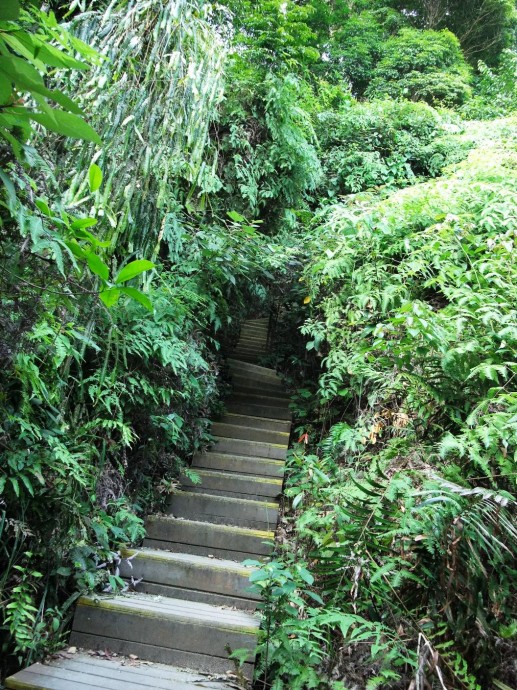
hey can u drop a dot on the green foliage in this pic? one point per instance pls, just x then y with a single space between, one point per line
496 91
352 41
268 159
404 514
99 407
422 66
483 27
26 57
275 34
162 67
128 259
380 143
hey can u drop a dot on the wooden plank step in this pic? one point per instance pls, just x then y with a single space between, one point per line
253 339
86 672
242 381
220 483
259 399
237 446
247 387
256 332
241 464
251 358
222 510
237 365
164 630
191 577
206 539
250 433
235 406
248 351
256 422
258 345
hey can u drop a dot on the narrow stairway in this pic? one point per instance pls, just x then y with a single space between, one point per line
193 604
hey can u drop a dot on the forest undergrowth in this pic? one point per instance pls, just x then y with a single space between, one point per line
399 538
168 169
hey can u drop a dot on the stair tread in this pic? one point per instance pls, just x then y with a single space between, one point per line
228 499
236 475
235 529
187 614
87 672
241 429
238 456
253 444
235 418
190 559
165 607
253 367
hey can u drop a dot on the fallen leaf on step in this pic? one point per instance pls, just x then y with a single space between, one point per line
72 650
133 656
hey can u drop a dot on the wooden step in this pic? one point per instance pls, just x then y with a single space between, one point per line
182 633
206 539
256 422
86 672
193 599
249 433
252 341
248 351
240 464
240 381
257 398
252 369
255 333
238 407
221 483
187 576
251 358
237 446
222 510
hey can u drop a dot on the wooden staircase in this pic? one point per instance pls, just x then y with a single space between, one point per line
193 604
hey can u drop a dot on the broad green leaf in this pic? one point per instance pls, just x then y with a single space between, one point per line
94 177
15 485
315 596
81 223
43 207
40 52
305 575
133 269
26 77
76 249
236 217
67 124
98 266
139 297
9 10
259 576
19 72
64 101
6 89
110 296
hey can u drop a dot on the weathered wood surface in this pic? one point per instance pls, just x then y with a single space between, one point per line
193 601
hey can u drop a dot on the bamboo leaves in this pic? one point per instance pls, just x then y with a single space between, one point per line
166 89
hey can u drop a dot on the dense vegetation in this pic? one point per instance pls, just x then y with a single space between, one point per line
170 167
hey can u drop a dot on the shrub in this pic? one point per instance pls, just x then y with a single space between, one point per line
422 65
